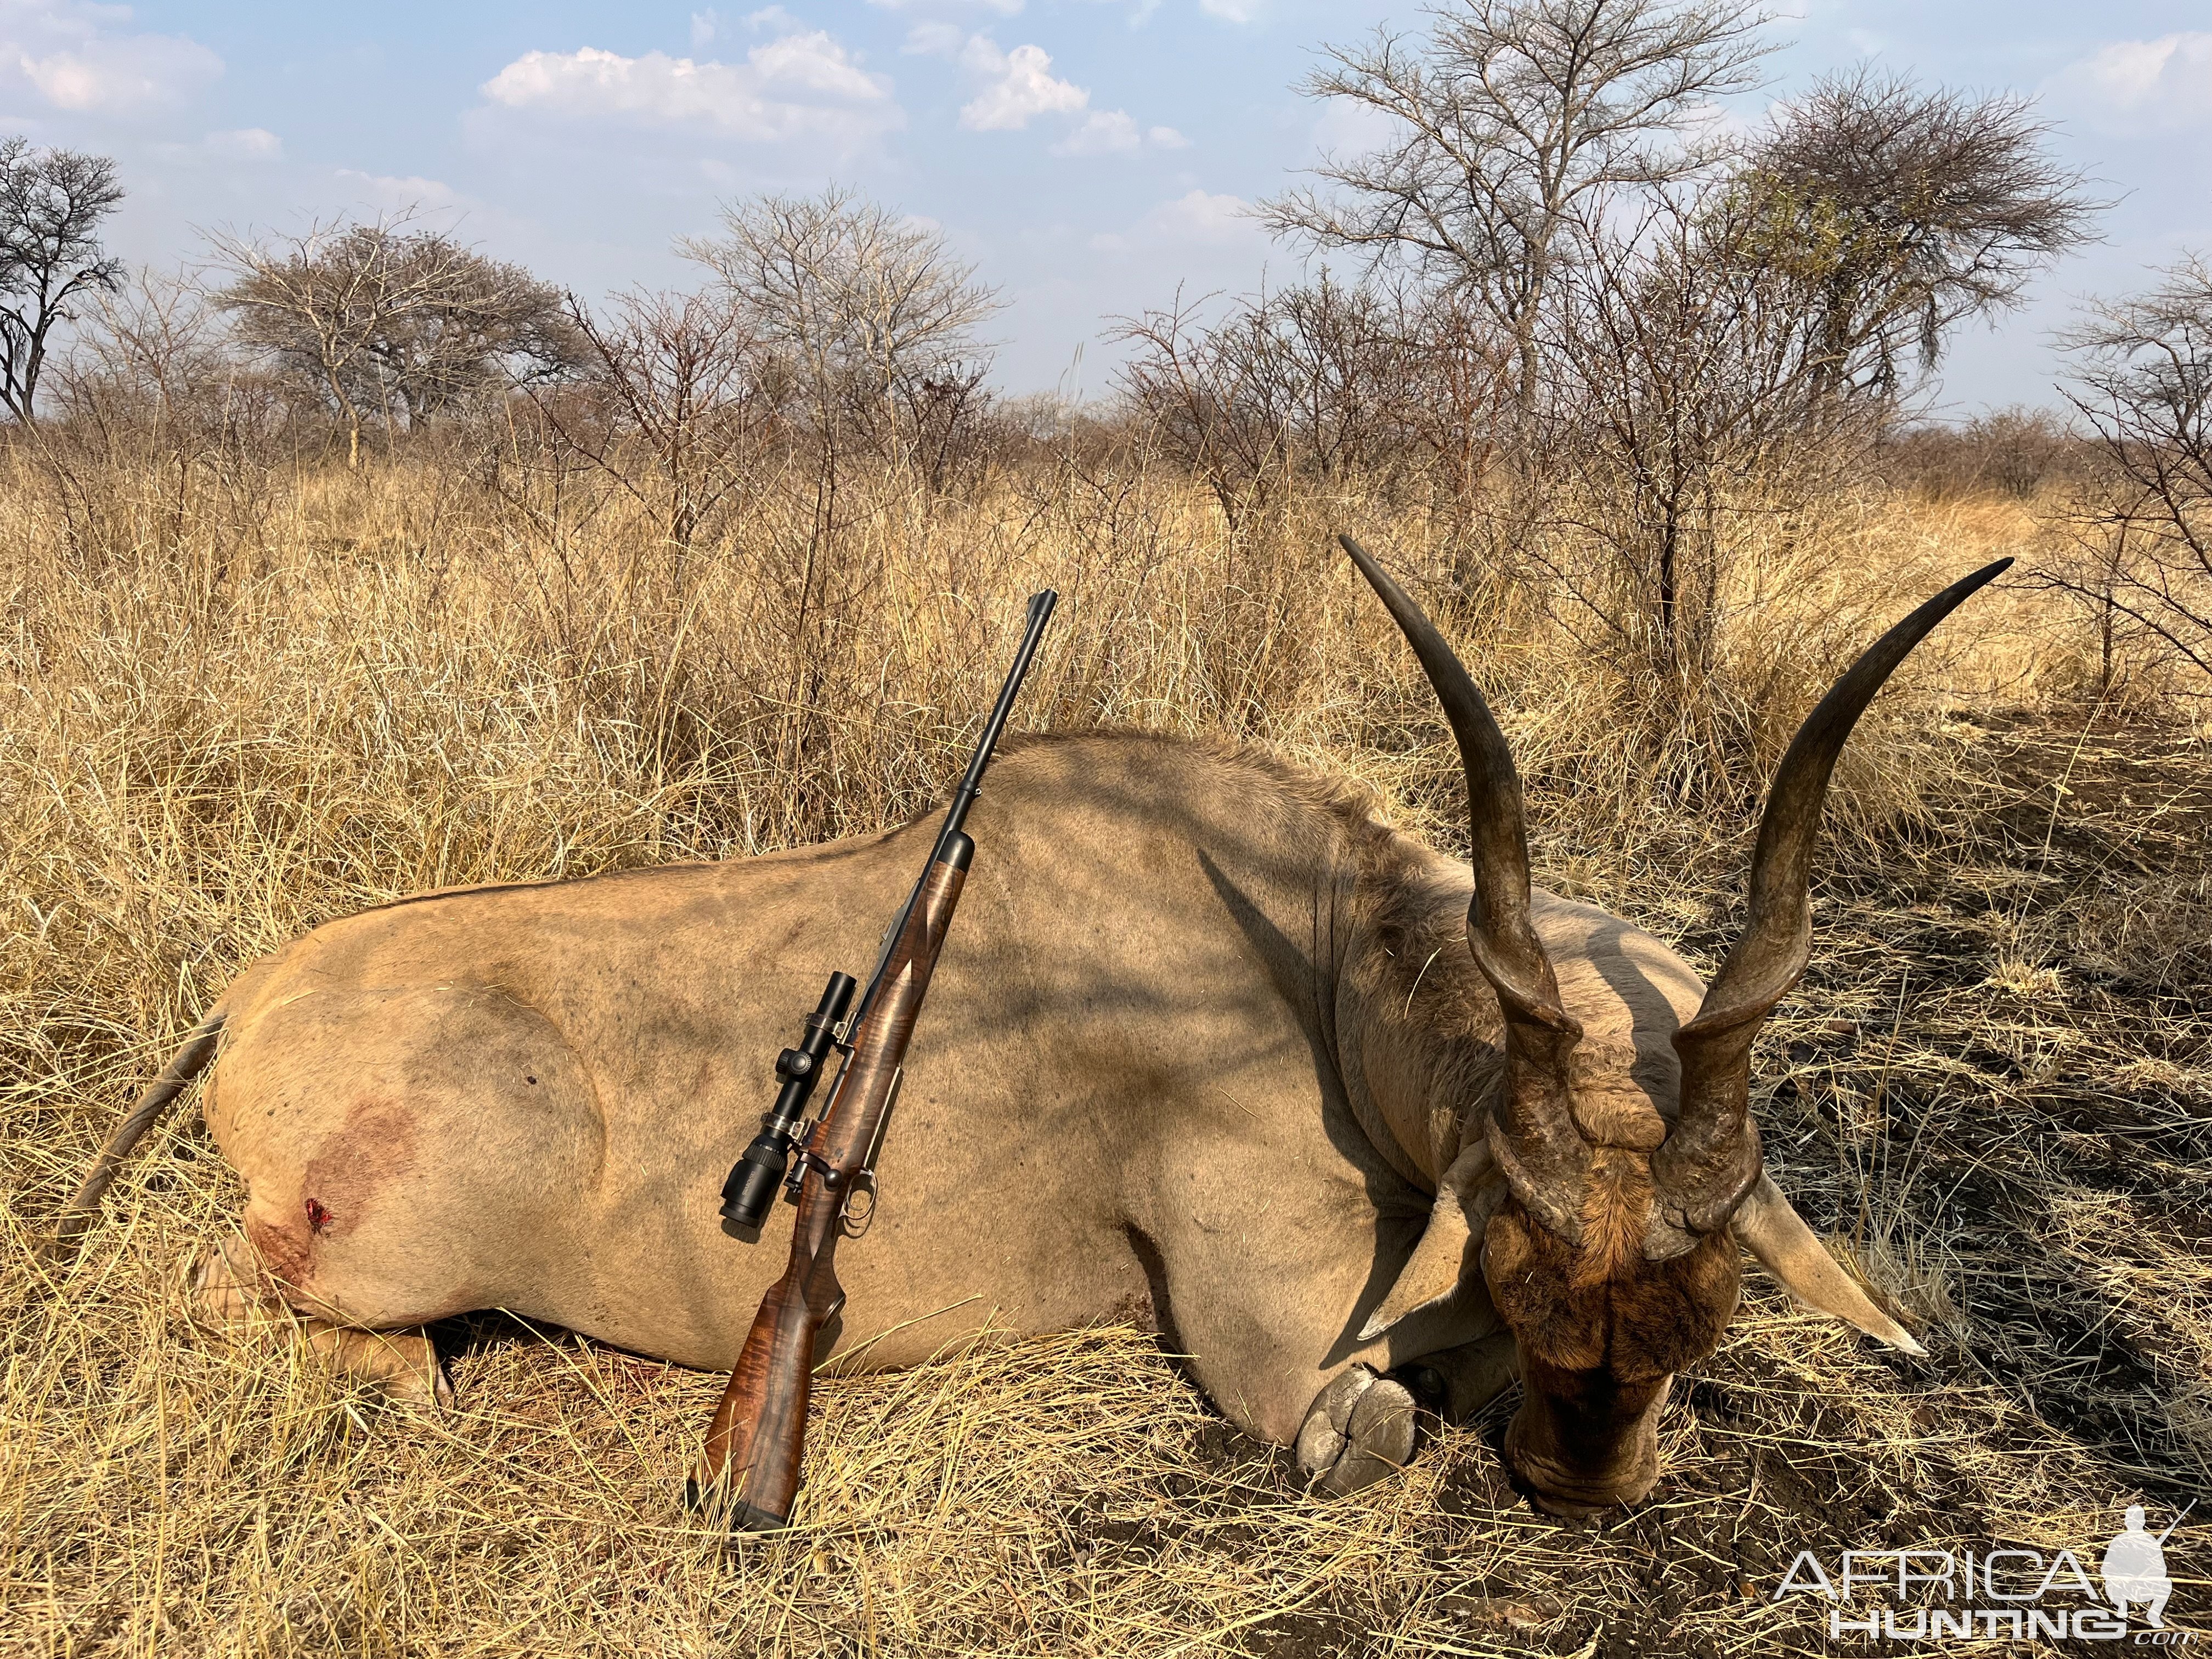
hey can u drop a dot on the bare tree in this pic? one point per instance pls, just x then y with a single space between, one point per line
152 345
2142 381
1321 378
1462 379
1905 210
1206 398
388 320
1688 395
866 304
52 203
1513 124
685 400
162 428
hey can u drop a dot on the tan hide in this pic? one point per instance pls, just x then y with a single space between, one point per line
1442 1261
525 1096
1786 1247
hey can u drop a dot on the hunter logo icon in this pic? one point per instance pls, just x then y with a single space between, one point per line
2133 1568
1923 1593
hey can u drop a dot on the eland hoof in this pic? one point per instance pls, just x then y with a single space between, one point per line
1359 1431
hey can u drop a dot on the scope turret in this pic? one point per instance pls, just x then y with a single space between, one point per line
760 1168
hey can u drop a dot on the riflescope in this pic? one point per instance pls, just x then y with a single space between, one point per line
759 1170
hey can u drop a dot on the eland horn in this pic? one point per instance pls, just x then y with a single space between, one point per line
1543 1156
1702 1170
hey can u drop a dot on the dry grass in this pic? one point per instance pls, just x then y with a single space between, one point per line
235 711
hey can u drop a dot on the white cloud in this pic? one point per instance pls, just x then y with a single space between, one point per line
795 85
245 144
72 56
2136 86
1104 132
1021 87
1113 132
1232 11
395 194
938 40
1196 219
1197 216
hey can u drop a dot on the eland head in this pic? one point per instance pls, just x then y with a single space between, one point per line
1615 1266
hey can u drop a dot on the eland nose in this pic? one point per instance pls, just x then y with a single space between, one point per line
1574 1495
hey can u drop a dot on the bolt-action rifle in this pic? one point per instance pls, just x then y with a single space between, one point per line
748 1475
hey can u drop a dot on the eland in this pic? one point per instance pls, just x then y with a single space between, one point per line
1354 1126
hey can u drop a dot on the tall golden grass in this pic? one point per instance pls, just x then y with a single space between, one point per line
241 704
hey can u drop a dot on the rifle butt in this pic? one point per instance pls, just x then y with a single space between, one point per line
748 1474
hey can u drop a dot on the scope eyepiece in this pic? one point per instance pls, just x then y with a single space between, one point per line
754 1178
760 1168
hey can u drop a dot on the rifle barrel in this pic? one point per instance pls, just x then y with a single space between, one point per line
971 783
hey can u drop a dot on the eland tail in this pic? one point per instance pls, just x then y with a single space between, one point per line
189 1061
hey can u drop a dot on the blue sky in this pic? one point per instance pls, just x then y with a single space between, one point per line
1090 156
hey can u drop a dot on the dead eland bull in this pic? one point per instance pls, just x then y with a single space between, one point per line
1206 1047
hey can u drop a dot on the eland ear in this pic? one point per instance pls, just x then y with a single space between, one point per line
1470 1189
1775 1233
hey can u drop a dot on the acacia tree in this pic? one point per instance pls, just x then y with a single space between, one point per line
489 326
1731 344
1902 212
1512 127
1688 391
869 307
390 321
51 204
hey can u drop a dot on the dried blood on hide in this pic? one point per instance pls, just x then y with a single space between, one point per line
375 1144
285 1252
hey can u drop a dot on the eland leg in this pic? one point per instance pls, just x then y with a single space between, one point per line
1359 1429
231 1292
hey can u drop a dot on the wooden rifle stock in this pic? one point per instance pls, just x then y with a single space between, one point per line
748 1474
